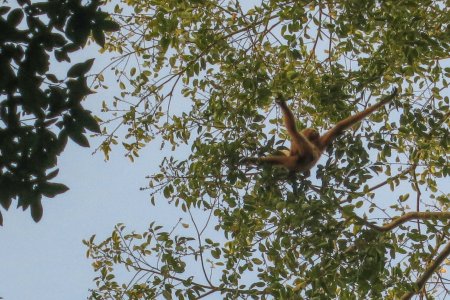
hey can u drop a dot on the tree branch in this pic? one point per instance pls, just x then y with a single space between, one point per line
405 218
404 172
420 283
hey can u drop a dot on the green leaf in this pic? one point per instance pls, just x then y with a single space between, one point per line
15 17
52 174
109 26
58 40
79 138
50 189
78 28
36 210
99 36
80 69
5 197
4 10
52 78
86 120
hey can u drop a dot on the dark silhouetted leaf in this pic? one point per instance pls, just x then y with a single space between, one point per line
52 78
51 189
79 138
36 210
108 26
15 17
89 122
99 36
80 69
4 10
52 174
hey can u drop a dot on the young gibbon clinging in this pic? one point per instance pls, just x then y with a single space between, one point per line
307 145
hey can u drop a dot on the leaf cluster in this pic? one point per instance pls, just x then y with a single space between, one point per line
38 111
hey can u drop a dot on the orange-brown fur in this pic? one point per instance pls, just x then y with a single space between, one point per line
307 145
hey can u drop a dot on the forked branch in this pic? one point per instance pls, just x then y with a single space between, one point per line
434 265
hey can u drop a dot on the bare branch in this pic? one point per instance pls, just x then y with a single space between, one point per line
414 215
420 283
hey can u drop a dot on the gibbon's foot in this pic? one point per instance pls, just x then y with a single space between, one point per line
249 161
301 175
279 99
394 91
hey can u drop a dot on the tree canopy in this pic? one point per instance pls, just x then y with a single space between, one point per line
38 110
201 76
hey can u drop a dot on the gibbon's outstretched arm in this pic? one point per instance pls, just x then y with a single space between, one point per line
339 128
300 144
307 146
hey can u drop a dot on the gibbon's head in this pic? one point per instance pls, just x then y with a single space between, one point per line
311 134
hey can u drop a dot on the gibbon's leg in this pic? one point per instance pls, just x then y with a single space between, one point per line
299 143
289 162
331 134
286 152
277 160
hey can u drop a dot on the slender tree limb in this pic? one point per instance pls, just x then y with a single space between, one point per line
381 184
420 283
199 237
212 291
414 215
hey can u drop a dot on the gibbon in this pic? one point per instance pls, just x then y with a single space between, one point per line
307 145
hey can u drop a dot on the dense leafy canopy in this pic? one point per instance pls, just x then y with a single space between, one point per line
38 111
202 76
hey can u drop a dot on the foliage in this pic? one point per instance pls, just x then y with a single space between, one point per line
39 111
202 76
